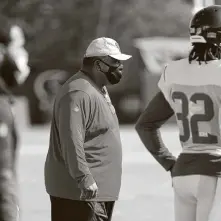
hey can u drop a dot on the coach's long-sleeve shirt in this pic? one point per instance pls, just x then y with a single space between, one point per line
85 145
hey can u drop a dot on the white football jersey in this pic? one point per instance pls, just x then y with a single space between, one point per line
194 93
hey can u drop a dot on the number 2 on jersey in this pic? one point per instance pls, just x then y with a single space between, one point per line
190 125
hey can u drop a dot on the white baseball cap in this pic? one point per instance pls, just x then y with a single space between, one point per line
105 47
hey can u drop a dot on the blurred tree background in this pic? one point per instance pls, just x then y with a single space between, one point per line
58 31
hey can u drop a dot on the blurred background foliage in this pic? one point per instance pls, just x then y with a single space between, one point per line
58 32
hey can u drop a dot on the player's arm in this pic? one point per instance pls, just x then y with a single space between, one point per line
8 206
154 116
74 116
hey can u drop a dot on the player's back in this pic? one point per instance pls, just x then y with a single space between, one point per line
194 93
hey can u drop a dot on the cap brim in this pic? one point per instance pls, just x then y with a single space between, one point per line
121 57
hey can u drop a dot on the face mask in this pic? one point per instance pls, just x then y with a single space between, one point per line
113 75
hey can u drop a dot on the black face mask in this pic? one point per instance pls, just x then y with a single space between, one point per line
113 75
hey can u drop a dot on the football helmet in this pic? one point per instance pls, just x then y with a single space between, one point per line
205 26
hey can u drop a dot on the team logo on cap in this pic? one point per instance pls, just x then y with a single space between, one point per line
117 45
112 43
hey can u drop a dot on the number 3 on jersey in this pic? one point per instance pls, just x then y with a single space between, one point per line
190 124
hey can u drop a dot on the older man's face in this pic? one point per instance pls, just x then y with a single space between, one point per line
112 69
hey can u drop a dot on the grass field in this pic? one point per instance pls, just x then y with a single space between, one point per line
146 192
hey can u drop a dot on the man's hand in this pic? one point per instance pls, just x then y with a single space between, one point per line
90 192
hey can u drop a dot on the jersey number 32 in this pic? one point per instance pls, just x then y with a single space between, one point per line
190 124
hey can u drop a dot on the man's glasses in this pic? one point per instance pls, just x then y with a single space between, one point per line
117 63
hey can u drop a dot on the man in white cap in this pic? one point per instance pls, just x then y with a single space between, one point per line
84 161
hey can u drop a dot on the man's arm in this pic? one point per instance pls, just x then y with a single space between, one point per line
155 115
74 117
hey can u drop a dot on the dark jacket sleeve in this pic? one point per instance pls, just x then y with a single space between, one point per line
8 196
74 115
154 116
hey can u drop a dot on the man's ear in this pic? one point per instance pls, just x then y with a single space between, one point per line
97 65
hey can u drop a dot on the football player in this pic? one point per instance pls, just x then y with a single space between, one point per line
10 77
191 89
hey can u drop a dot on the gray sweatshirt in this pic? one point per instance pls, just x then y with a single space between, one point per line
85 144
